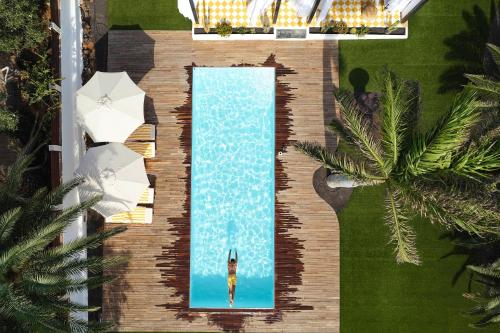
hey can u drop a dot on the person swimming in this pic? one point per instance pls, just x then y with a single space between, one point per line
232 265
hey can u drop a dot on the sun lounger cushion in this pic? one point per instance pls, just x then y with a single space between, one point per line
145 132
140 215
148 196
146 149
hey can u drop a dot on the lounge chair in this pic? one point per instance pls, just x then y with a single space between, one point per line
146 149
140 215
148 196
145 132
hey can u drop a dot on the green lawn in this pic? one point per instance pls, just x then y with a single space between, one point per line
377 295
146 15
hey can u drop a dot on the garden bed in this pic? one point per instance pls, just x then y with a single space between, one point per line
312 33
236 31
401 31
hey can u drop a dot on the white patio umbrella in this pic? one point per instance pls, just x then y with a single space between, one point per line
115 172
255 8
110 107
303 7
324 8
184 8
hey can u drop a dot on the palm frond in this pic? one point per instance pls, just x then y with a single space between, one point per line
494 52
7 222
478 161
44 284
338 163
53 256
492 132
17 255
395 107
69 214
487 320
492 270
402 235
487 89
21 309
40 207
359 130
450 209
488 300
433 150
10 187
337 127
75 266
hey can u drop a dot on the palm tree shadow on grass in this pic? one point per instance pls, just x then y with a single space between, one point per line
467 48
478 252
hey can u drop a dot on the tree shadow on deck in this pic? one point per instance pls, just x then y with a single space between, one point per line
139 46
359 78
467 48
331 64
150 116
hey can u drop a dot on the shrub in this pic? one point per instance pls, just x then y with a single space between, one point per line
266 23
21 26
206 22
8 119
392 27
243 30
339 27
38 81
362 31
224 28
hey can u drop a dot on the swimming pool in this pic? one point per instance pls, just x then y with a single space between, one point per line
232 186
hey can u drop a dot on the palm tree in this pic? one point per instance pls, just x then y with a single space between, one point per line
488 301
487 88
36 275
443 175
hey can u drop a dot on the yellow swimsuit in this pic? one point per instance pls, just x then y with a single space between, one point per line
231 280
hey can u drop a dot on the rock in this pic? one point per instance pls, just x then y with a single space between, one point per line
340 181
337 198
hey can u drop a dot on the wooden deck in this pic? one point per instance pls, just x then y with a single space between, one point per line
145 297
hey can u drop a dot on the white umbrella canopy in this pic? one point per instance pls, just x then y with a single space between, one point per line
324 8
115 172
255 8
184 8
110 107
303 7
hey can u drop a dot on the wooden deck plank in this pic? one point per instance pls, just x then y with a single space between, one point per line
156 60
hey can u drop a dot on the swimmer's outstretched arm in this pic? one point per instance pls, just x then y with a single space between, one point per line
229 256
236 255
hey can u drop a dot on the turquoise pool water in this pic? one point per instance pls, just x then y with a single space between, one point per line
232 186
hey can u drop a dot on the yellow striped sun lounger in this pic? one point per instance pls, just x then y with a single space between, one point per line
146 149
148 196
145 132
140 215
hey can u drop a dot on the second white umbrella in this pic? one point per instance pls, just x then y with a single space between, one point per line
115 172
